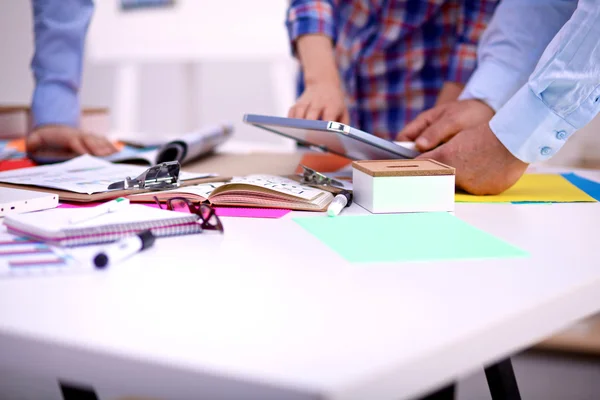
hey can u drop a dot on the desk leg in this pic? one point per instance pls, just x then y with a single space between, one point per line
446 393
502 382
72 392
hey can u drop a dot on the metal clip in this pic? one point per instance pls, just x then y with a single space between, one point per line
162 176
337 127
312 177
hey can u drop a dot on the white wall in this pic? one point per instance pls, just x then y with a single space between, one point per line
226 88
15 51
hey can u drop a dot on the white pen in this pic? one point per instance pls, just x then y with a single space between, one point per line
93 212
343 199
122 249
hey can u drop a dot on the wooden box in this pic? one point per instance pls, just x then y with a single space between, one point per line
393 186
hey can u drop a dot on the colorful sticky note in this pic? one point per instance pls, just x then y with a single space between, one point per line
590 187
406 237
323 162
250 212
12 155
532 202
97 203
80 205
534 188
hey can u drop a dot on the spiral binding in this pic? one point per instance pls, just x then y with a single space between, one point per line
110 233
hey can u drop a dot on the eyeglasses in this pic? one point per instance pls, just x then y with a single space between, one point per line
208 217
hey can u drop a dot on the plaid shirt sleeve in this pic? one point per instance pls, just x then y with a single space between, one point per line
310 16
477 14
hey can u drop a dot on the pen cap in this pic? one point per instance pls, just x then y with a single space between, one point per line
147 239
348 195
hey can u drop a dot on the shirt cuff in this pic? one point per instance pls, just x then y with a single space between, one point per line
529 129
55 104
306 20
493 84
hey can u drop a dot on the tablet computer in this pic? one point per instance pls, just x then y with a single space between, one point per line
333 137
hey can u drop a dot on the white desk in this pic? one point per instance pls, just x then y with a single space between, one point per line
267 311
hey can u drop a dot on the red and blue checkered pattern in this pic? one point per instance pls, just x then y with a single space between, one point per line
394 55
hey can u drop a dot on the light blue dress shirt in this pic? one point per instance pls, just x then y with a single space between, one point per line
60 28
539 68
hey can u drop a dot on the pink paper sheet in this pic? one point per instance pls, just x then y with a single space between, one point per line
250 212
221 211
79 205
96 203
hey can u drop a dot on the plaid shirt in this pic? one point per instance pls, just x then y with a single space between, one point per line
393 56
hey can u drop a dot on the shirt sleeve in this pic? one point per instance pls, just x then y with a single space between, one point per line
60 27
475 17
310 17
510 47
561 96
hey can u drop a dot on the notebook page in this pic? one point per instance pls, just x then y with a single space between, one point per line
258 197
266 201
272 183
196 193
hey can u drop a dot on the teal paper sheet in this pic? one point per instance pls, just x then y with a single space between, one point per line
406 237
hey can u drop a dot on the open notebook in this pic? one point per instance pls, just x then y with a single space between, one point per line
262 191
54 227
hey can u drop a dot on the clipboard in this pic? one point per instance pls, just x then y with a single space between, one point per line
88 179
65 195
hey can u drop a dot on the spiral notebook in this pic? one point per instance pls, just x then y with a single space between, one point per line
54 227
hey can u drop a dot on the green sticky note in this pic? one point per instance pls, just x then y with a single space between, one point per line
406 237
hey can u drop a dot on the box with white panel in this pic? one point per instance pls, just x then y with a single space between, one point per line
18 201
396 186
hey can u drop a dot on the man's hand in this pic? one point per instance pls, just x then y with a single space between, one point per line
68 140
483 165
323 100
440 123
449 93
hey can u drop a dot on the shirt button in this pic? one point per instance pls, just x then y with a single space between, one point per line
561 135
546 150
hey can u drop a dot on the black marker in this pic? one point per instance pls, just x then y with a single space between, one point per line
343 199
122 249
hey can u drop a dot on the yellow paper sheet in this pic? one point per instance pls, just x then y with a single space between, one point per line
534 188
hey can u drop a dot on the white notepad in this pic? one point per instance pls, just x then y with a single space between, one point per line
53 226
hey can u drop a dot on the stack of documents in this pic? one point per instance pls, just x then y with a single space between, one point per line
86 178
